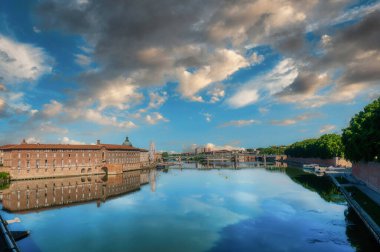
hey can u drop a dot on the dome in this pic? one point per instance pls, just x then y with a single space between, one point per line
127 142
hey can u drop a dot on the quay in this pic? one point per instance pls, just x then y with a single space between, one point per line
8 238
371 225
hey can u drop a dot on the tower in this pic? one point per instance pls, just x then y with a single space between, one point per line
152 152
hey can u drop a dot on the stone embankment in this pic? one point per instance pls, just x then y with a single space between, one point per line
336 161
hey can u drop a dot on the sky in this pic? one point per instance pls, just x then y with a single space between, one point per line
185 73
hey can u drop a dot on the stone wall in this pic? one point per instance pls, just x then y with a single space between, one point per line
369 173
339 162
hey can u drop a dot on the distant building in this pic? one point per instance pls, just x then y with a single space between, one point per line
25 160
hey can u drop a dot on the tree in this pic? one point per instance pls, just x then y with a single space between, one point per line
362 137
327 146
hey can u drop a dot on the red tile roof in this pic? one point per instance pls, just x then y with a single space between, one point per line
67 147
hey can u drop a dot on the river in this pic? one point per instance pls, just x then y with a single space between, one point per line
189 209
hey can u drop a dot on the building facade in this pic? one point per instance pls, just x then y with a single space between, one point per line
24 161
24 195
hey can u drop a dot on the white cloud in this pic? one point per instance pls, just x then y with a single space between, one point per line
157 100
82 60
216 94
327 128
243 98
21 62
290 121
32 140
154 118
222 63
49 127
268 84
66 140
119 93
99 118
223 147
239 123
52 109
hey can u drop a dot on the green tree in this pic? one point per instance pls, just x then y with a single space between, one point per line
362 137
327 146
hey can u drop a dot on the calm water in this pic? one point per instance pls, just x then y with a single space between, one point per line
196 210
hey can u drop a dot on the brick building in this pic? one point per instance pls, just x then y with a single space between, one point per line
26 195
24 161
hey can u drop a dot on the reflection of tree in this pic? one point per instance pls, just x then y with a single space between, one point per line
322 185
357 234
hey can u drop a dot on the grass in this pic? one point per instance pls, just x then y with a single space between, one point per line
368 205
342 180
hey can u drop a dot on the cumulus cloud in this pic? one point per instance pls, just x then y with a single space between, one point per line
52 109
271 83
82 60
66 140
211 146
49 127
201 44
216 94
12 103
294 120
102 119
21 62
154 118
327 128
157 99
239 123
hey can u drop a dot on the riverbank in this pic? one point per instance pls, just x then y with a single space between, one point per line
361 198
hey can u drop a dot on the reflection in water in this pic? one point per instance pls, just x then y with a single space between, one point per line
236 165
322 185
357 233
254 209
46 193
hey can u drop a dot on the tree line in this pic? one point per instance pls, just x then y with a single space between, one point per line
360 141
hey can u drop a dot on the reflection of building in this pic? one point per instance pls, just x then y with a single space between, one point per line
44 193
158 157
25 160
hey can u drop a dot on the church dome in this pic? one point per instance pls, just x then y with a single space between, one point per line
127 142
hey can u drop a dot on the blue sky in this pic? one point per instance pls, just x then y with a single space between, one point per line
241 74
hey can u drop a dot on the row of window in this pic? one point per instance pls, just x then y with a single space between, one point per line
45 163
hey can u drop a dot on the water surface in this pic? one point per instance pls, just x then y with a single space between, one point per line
254 209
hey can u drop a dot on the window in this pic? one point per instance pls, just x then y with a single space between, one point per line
38 163
28 164
46 163
19 164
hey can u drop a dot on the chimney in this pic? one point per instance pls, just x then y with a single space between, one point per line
98 142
